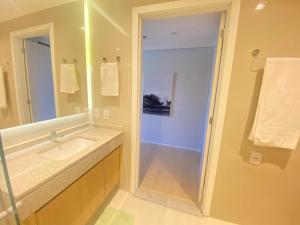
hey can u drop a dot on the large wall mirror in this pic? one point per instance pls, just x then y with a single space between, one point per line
42 61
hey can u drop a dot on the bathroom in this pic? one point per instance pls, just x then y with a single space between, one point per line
80 164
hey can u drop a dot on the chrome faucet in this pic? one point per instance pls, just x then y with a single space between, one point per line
54 136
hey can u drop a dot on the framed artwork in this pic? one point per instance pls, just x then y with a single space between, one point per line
158 94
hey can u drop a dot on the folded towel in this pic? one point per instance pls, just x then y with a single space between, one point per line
109 79
3 98
68 79
277 121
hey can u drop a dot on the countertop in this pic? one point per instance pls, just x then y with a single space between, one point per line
36 179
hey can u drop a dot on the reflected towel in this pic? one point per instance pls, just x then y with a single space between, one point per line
277 121
109 79
3 97
68 79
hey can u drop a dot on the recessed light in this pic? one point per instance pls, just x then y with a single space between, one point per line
260 6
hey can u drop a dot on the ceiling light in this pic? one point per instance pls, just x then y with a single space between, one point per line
260 6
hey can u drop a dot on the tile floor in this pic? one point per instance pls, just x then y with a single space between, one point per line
125 209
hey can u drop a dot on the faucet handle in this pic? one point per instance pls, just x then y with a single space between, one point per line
53 136
60 135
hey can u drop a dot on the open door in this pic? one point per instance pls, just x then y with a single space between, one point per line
211 108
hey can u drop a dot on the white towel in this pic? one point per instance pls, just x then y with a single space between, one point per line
68 79
277 121
3 97
109 79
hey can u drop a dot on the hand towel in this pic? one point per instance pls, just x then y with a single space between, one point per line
277 121
109 79
68 79
3 97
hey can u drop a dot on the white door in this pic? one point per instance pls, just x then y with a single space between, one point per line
39 81
211 106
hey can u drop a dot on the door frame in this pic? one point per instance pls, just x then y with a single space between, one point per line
213 90
180 8
19 67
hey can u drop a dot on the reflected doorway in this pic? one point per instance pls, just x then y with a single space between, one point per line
39 79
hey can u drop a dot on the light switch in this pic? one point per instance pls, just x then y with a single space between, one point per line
106 114
97 113
255 158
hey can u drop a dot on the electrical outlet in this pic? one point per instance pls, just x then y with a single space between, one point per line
77 109
106 114
97 113
255 158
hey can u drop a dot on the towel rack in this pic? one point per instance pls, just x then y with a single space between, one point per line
104 59
74 60
255 54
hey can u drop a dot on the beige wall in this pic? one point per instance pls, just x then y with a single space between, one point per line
69 43
108 33
268 194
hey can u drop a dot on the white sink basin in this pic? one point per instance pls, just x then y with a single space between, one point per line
67 149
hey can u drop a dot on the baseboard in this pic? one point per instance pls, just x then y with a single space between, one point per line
173 146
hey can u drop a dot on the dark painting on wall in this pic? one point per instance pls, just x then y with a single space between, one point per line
153 105
157 96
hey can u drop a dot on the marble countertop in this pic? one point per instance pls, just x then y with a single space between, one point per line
36 179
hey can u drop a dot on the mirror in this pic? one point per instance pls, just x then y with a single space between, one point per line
42 61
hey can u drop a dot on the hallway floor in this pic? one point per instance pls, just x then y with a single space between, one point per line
125 209
170 176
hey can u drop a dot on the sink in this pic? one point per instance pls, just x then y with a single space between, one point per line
67 149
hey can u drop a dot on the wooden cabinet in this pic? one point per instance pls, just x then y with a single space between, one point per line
63 209
91 188
76 204
111 171
30 221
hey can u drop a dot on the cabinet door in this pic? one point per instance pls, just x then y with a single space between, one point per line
116 167
111 171
62 210
91 188
30 220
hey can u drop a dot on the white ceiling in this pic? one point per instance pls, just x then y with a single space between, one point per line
10 9
181 32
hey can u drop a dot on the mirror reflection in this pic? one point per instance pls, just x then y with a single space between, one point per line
42 62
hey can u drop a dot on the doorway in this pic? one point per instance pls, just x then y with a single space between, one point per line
34 73
39 78
219 90
178 63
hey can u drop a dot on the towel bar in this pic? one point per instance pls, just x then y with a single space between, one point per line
74 60
104 59
255 54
